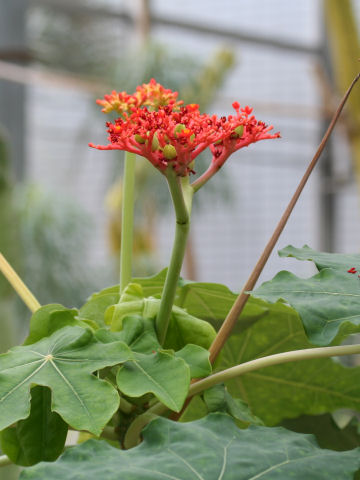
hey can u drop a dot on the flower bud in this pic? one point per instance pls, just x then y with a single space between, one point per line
239 130
139 138
154 143
169 152
179 128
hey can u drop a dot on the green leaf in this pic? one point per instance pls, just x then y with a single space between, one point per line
195 410
154 285
338 261
328 435
94 309
328 303
49 318
310 387
208 449
208 301
213 301
160 373
137 332
198 360
218 399
41 437
63 362
183 327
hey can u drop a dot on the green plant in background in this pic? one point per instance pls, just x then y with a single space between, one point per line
54 234
149 347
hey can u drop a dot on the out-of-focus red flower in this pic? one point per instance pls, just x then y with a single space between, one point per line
240 130
152 95
174 135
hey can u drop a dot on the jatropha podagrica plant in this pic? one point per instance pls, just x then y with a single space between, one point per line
134 368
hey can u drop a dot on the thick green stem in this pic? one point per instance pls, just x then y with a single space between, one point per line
19 286
133 434
181 194
132 437
127 221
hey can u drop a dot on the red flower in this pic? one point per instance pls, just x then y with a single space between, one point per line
164 137
150 94
154 125
239 131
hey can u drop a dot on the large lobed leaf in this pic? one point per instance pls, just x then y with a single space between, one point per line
209 449
161 373
338 261
152 370
64 362
286 391
328 303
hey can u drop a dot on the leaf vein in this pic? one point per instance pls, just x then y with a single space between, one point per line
186 463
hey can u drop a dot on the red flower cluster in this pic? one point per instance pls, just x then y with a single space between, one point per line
152 95
174 135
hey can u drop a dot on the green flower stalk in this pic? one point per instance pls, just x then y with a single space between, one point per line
127 221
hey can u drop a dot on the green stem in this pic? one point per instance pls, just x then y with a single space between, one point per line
5 460
127 221
181 193
277 359
19 286
126 406
132 437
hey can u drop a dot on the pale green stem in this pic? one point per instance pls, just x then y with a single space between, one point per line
5 460
181 194
134 431
126 406
276 359
127 221
19 286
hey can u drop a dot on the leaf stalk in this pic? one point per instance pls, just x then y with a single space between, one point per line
19 286
132 437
